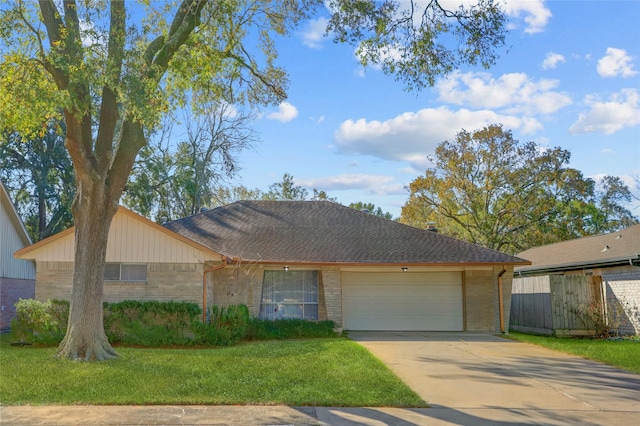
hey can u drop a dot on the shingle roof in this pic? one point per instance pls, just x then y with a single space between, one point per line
324 232
595 250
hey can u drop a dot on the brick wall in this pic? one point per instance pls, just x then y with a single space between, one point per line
623 292
333 295
53 280
480 300
165 282
11 290
236 284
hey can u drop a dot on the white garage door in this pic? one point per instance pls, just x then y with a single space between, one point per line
404 301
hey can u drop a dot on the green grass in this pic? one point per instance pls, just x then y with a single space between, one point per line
321 372
623 354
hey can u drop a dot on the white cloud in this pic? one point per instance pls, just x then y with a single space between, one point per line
620 111
536 14
615 63
313 34
286 112
552 60
513 92
373 184
410 137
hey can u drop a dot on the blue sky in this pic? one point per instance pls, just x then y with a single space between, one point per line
569 77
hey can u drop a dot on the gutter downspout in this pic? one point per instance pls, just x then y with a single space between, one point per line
500 301
204 286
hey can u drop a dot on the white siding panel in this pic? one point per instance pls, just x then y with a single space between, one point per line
60 250
11 240
402 301
130 241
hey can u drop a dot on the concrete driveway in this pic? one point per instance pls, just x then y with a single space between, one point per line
480 379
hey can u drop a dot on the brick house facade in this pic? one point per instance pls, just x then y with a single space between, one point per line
309 260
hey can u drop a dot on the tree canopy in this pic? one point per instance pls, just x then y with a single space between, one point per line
37 173
490 189
371 208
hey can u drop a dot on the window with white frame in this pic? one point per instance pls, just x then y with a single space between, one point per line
125 272
289 294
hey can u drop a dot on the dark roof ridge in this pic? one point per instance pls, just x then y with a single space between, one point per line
322 231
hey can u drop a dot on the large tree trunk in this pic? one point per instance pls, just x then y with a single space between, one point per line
85 338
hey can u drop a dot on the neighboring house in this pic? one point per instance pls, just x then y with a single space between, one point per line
613 260
314 260
17 277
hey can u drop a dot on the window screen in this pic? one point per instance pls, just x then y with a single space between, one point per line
289 294
112 272
133 272
125 272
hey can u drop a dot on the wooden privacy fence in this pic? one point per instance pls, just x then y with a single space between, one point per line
556 304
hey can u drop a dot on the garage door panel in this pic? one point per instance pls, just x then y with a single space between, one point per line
404 301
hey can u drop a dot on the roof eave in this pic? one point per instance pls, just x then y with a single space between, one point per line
399 264
621 261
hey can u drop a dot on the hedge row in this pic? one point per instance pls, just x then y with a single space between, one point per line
161 324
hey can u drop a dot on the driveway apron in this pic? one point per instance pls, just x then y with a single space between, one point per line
493 378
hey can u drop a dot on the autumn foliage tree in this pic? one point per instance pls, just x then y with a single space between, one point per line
116 67
490 189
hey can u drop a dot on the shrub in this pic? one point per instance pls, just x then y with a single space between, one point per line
155 324
289 329
225 325
151 323
40 322
604 319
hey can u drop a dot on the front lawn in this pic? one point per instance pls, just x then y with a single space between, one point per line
321 372
618 353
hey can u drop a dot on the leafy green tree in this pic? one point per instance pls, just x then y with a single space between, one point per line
115 72
417 42
608 213
319 195
286 190
492 190
371 208
224 195
173 182
114 78
38 174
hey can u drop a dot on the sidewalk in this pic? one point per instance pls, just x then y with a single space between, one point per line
298 416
